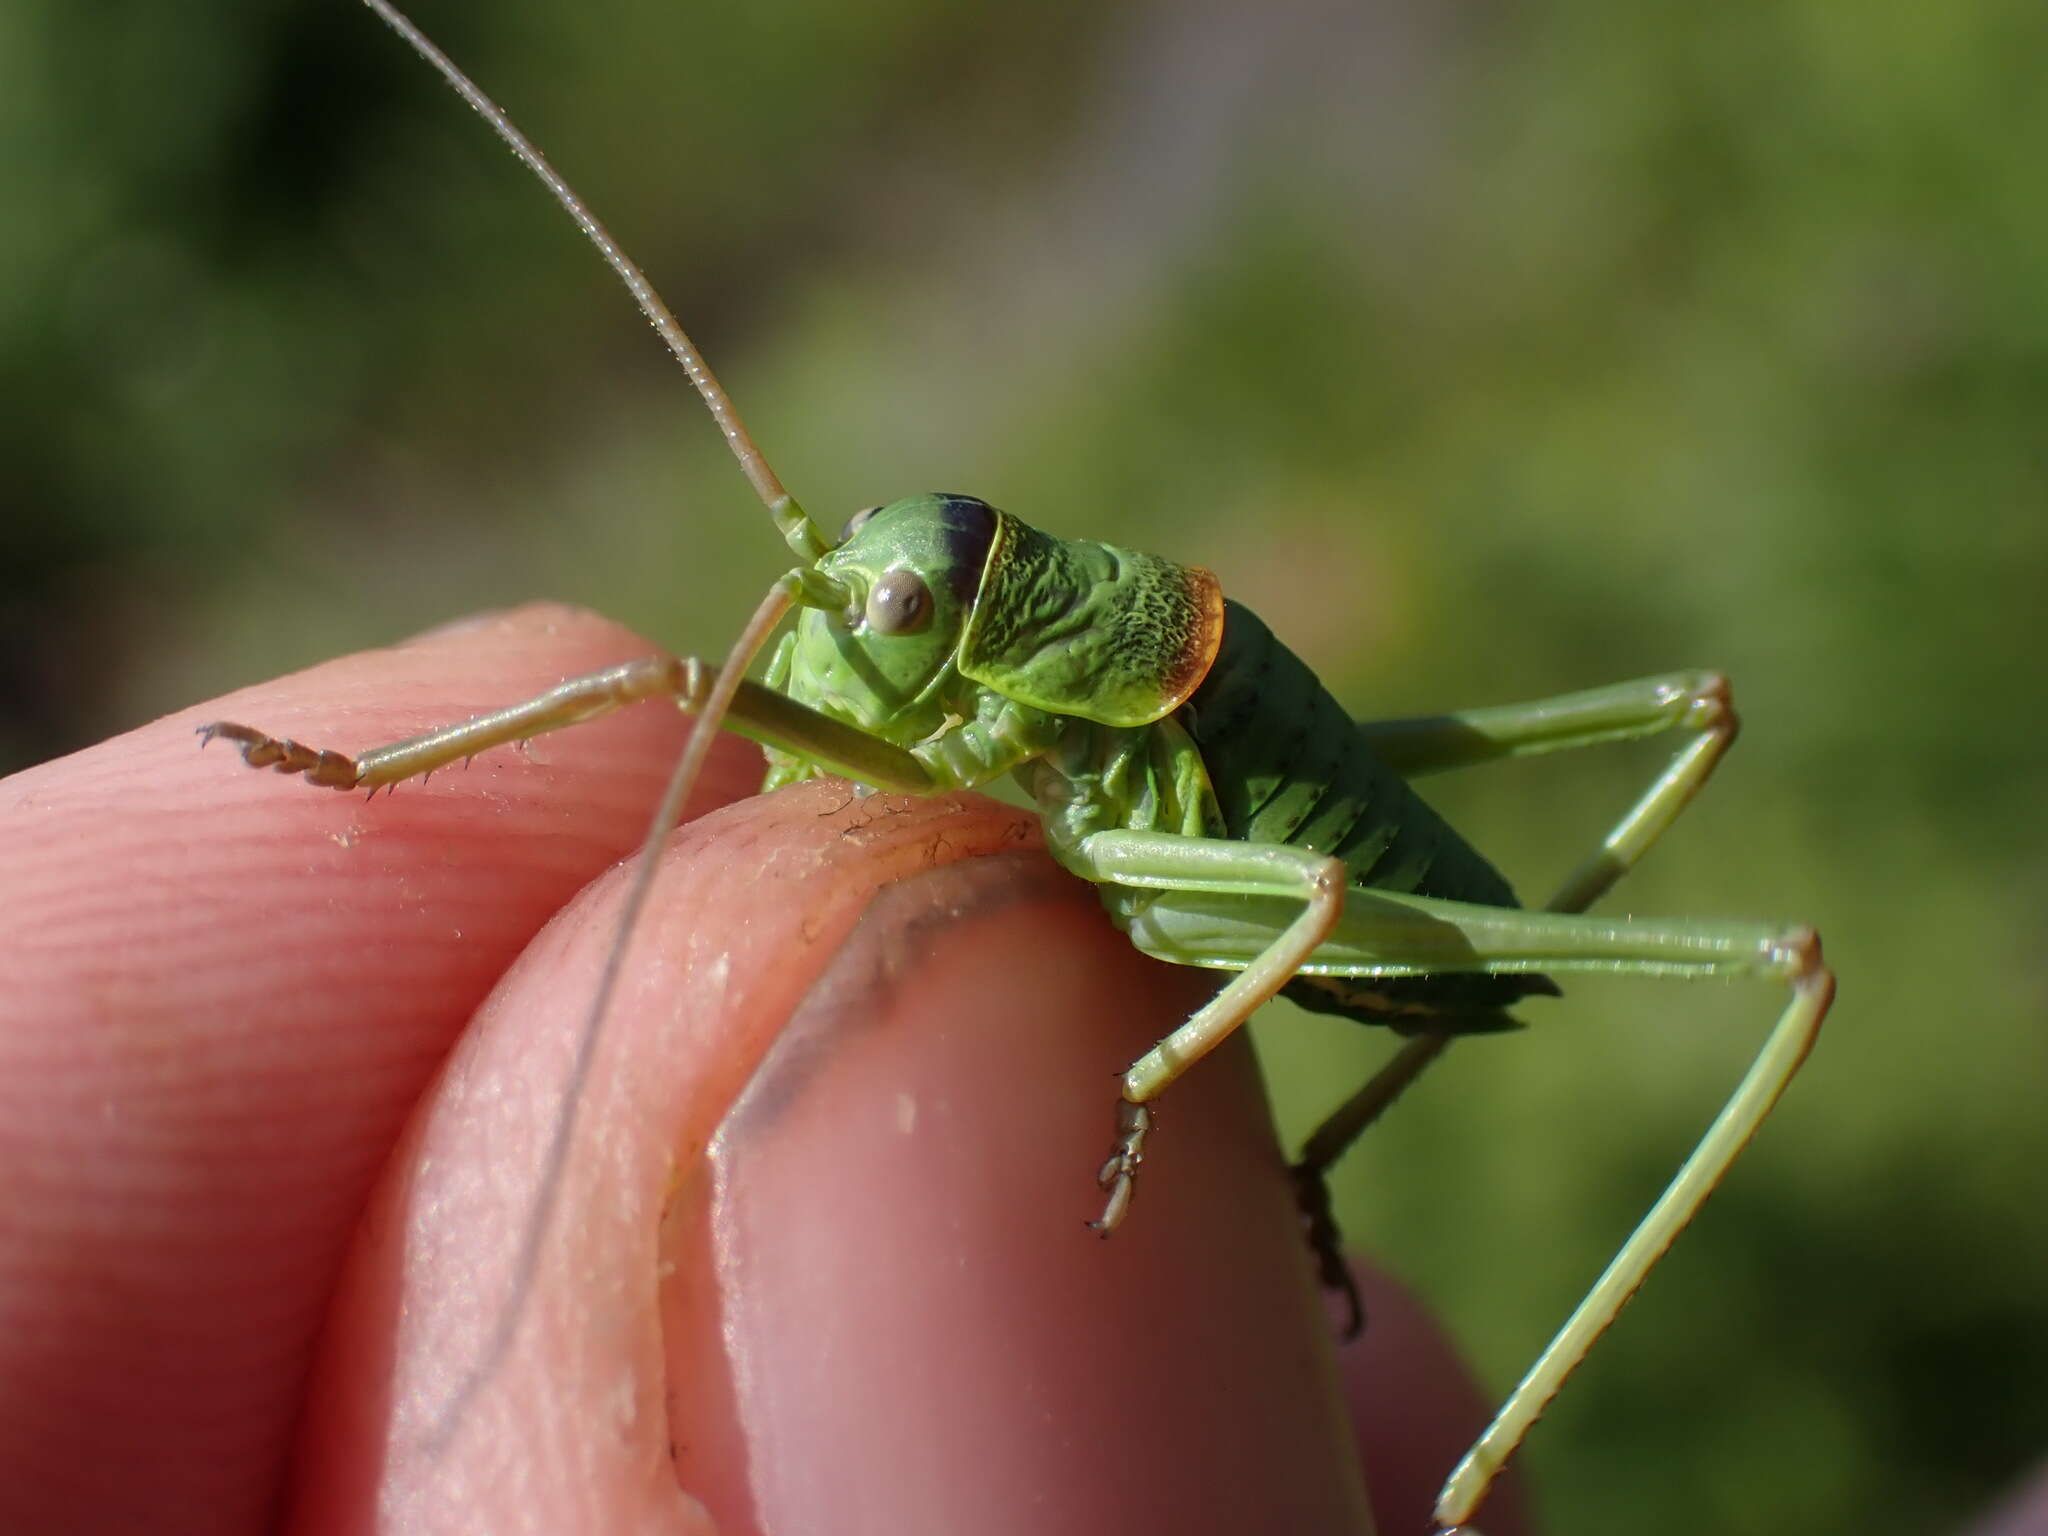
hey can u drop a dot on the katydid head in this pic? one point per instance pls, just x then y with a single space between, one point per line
944 597
884 659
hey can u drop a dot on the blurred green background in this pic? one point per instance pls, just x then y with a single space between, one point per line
1490 351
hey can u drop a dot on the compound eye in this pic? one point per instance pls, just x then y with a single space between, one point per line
855 523
899 603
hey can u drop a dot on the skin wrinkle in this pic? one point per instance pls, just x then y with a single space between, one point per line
853 991
886 941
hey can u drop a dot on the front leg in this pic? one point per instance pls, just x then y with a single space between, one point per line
756 712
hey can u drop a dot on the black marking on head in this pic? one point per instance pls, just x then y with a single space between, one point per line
968 527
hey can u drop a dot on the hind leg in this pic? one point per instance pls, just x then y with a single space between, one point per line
1694 702
1383 933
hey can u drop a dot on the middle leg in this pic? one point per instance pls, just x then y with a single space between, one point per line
1220 867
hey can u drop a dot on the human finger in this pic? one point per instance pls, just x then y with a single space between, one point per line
817 1259
223 992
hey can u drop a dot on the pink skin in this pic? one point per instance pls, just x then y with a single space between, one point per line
818 1262
2021 1511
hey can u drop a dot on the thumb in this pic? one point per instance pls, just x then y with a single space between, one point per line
818 1260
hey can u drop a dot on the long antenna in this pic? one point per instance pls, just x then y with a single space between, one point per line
804 537
802 585
555 1159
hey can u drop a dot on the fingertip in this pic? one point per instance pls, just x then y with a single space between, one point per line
819 1260
915 1315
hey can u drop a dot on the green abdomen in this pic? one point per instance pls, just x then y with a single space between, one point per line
1289 766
